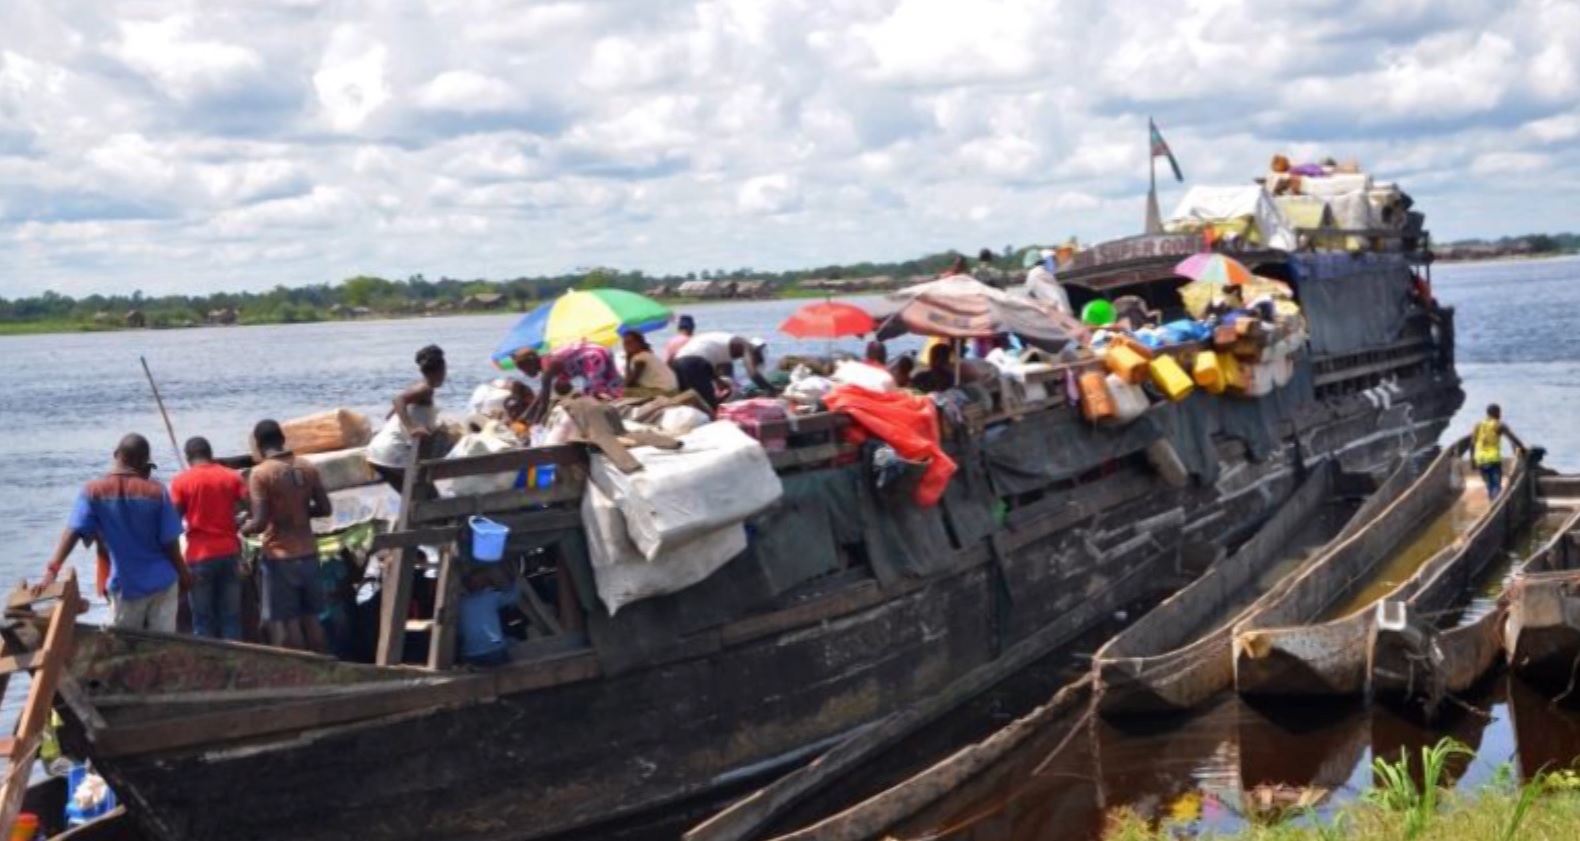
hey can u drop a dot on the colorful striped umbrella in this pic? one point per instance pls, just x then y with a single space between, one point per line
598 315
1213 268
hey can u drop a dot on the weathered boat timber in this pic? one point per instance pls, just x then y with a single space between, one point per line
847 607
1178 655
1284 648
1542 624
1417 663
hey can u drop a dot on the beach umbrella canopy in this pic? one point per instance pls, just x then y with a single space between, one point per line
1198 295
961 307
597 315
828 320
1213 268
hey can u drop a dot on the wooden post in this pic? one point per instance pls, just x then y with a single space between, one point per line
395 589
446 610
50 661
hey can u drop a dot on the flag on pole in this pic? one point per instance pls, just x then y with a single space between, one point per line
1160 147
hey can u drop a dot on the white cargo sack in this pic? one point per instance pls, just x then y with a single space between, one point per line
720 476
679 420
478 444
620 572
862 375
343 469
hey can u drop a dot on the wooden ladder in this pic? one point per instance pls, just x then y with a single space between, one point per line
396 591
48 666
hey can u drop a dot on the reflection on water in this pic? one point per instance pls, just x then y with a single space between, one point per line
1438 533
1233 763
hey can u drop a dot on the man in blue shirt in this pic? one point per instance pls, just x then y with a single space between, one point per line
133 517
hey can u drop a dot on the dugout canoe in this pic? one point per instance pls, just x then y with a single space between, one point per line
1541 631
1416 664
1286 649
1178 655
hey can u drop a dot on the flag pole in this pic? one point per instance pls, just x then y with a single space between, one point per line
1154 216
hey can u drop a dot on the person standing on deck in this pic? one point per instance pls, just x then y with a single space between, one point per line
287 494
411 422
1486 448
208 495
132 516
1042 284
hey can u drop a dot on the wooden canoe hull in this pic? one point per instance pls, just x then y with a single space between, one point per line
1335 657
1543 632
1163 663
1416 664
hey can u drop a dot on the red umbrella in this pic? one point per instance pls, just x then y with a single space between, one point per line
828 320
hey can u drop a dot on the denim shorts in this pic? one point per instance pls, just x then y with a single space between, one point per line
291 589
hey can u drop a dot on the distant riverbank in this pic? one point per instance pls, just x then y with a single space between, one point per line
71 325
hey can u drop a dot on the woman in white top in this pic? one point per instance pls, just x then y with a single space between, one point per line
412 421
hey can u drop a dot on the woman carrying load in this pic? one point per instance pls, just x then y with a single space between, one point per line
411 422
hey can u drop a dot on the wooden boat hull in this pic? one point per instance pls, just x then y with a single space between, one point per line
303 748
1164 663
1416 664
1543 633
1274 655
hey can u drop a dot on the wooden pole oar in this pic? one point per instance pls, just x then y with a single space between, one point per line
169 429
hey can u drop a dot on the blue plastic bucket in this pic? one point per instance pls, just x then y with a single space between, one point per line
488 539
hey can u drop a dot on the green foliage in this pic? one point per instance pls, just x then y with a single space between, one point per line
1396 789
52 311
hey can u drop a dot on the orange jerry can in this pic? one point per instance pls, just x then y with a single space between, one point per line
1096 403
1126 363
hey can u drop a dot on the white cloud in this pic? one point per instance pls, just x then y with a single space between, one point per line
183 65
767 195
351 81
465 91
180 146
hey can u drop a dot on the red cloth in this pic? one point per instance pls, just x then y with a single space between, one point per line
905 421
207 496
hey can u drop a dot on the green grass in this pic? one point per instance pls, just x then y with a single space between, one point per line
1546 808
31 328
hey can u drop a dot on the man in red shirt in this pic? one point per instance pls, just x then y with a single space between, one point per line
208 495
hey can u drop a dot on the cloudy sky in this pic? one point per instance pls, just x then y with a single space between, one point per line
170 146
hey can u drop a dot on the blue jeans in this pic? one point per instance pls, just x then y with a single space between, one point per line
216 598
1492 474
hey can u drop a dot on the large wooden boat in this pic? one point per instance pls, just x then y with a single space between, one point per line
1418 659
1177 656
1285 647
847 608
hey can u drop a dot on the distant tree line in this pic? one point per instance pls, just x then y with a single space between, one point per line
1525 244
414 295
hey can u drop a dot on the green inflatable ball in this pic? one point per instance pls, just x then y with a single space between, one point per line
1098 313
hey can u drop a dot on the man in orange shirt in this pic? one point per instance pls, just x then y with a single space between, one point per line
287 494
208 495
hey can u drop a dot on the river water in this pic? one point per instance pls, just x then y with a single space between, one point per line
70 397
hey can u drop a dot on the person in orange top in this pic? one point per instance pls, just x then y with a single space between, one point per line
208 495
287 494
